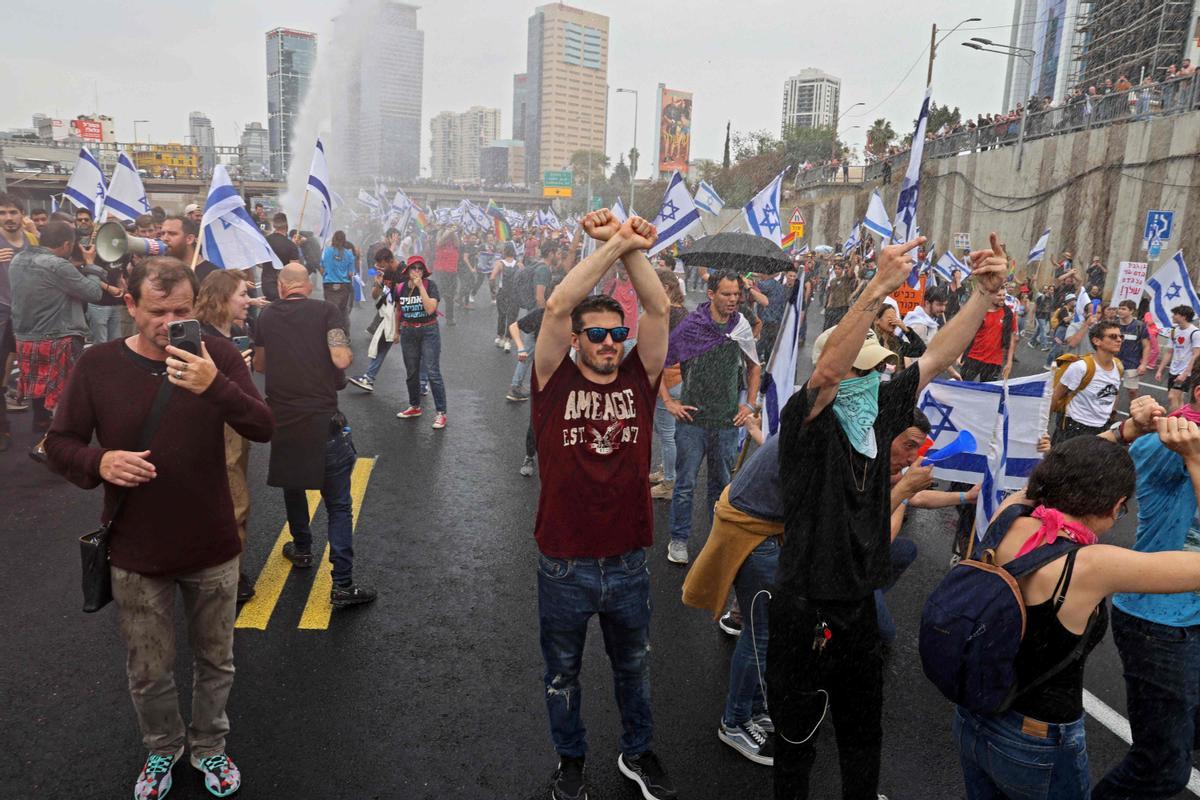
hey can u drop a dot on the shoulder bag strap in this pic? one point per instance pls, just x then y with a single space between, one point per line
147 433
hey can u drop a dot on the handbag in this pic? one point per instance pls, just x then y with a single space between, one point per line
93 547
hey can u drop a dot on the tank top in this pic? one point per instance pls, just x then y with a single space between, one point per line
1046 643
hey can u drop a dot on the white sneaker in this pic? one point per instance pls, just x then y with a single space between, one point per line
677 552
507 346
497 341
749 740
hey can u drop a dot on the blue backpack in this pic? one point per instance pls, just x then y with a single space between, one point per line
973 623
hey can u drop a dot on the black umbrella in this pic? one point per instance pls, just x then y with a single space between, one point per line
741 252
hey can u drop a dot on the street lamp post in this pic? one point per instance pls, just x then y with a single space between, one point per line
632 167
1026 55
836 116
934 41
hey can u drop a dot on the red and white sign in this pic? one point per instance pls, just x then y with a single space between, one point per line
58 130
88 130
1131 282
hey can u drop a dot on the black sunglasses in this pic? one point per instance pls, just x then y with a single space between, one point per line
597 335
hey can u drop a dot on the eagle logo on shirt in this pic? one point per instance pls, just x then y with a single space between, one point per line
606 443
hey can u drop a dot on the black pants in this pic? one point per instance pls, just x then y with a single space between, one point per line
1068 428
834 315
849 670
448 283
980 371
506 311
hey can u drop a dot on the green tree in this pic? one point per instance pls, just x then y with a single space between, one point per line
810 144
619 180
940 116
879 137
633 160
579 166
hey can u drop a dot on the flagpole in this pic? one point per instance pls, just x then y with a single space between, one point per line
303 205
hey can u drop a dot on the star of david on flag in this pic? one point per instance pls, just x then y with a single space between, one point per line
904 228
236 242
676 216
86 187
762 213
1169 287
126 197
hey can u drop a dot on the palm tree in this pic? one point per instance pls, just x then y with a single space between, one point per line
879 136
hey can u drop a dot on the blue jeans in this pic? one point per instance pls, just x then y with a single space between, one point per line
1162 691
693 443
521 372
381 351
999 760
904 553
570 591
664 432
745 689
340 456
105 322
1041 333
422 349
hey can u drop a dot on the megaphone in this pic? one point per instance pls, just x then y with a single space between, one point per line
113 244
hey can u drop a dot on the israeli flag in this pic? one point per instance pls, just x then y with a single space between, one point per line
370 201
1169 287
318 193
400 203
853 240
676 216
947 265
126 199
53 204
357 281
779 381
906 203
1039 250
708 199
1006 420
86 187
877 221
618 211
1082 301
550 220
762 213
229 236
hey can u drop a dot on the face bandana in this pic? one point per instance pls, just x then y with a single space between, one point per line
856 407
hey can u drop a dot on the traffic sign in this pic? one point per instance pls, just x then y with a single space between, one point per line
962 241
558 178
597 203
796 223
556 191
1158 225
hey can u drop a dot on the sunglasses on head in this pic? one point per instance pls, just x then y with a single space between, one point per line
597 335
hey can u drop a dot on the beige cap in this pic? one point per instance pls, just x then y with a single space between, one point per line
869 356
190 208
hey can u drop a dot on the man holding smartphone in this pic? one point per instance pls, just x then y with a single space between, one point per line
157 545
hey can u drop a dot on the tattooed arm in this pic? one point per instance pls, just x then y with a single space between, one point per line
339 348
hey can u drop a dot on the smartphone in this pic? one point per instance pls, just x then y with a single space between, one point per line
242 343
185 335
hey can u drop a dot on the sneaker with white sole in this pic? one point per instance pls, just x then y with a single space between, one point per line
763 720
410 412
498 341
221 775
730 624
363 382
677 552
664 490
516 394
439 421
651 778
527 467
750 740
155 779
507 346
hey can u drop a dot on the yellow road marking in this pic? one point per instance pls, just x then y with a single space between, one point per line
317 610
256 612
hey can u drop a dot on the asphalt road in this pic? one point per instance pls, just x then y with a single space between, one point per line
434 691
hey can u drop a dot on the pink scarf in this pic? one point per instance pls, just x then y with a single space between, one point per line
1187 412
1053 524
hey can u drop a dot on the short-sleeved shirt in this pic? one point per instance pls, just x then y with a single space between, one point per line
1132 336
1094 404
302 380
1084 345
593 443
756 489
1167 521
410 308
837 510
840 289
531 323
777 296
988 346
338 265
1183 340
712 383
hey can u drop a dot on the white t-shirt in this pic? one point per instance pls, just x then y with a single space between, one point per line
1182 342
1093 406
1085 343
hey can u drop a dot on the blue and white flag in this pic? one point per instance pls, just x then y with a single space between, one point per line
1039 250
708 199
359 295
229 236
53 204
779 378
906 204
319 198
1082 302
877 221
86 187
947 265
550 219
1169 287
762 213
370 201
126 198
676 216
618 211
853 240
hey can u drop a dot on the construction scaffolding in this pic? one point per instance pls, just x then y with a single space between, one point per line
1131 38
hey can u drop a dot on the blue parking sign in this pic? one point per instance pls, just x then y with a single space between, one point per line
1158 226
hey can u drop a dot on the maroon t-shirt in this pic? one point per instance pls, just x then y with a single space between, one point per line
593 443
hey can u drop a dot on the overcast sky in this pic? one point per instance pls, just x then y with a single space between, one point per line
161 60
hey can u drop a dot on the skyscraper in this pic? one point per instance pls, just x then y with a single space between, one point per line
377 93
291 57
457 140
200 132
566 87
1049 34
810 100
520 105
256 151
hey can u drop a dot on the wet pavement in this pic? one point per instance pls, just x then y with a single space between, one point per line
434 691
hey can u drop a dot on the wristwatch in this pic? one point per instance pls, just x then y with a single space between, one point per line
1116 431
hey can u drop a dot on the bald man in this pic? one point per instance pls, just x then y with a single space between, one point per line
302 347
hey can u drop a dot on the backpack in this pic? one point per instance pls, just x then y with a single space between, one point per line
523 288
1060 366
973 623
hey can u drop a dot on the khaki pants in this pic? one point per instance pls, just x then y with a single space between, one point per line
237 459
146 612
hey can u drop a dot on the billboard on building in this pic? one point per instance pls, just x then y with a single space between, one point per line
89 130
58 130
674 130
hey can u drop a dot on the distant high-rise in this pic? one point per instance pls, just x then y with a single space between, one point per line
456 142
1051 34
200 132
291 57
520 105
376 106
255 158
566 87
810 100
